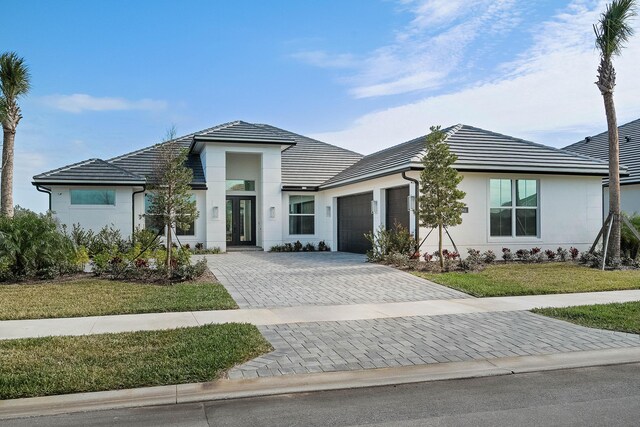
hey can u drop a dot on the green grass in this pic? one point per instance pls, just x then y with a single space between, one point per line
96 297
536 279
60 365
623 317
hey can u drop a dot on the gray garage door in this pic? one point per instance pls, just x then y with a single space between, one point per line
397 212
354 220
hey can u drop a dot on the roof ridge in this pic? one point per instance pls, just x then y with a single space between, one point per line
121 168
449 132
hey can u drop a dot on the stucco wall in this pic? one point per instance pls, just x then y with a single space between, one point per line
569 207
629 198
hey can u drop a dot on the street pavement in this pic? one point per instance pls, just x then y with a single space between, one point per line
600 396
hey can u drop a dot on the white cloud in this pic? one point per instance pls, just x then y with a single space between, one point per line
547 94
427 51
80 102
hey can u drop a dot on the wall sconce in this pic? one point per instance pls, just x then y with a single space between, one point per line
411 203
328 210
374 207
216 213
272 212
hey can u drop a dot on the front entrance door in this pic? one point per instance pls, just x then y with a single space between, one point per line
241 220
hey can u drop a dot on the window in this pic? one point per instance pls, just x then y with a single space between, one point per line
240 185
513 207
93 197
149 220
190 230
301 215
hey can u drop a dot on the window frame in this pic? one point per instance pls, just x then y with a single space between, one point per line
514 209
298 215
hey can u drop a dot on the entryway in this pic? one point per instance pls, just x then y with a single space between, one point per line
241 221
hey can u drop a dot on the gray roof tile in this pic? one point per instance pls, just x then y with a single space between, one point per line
90 170
477 149
598 147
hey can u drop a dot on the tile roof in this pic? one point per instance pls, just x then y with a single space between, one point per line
598 147
477 150
90 170
240 131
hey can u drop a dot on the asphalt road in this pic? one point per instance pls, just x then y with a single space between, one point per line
603 396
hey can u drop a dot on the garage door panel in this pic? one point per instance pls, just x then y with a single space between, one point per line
354 220
396 205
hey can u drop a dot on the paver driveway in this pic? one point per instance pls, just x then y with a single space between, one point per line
259 279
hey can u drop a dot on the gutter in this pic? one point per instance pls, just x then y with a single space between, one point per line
417 205
133 210
46 191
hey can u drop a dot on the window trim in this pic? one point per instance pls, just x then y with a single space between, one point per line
514 208
301 214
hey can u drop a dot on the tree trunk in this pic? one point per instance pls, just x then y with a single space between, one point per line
6 182
169 251
440 246
614 176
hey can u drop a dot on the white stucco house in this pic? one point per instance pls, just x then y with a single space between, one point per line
258 185
598 147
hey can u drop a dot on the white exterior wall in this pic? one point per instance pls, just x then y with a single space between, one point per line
261 163
629 199
569 212
93 217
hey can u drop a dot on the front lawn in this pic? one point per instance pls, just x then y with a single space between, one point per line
97 297
60 365
535 279
623 317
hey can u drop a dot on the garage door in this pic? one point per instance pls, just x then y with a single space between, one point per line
354 220
397 212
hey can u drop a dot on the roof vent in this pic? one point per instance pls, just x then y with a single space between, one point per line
627 138
587 138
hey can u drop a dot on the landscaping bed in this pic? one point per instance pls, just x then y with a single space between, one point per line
61 365
91 296
535 279
623 317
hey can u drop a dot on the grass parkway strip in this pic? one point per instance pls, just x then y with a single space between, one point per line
623 317
60 365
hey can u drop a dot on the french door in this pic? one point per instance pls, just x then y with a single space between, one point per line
241 220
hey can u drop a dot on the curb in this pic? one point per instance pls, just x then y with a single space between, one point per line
268 386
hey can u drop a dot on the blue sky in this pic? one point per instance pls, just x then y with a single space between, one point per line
112 76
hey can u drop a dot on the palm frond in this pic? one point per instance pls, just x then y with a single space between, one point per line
614 29
14 76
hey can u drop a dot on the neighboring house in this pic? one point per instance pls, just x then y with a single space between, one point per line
598 147
257 185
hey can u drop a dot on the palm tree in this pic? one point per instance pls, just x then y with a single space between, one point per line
14 83
613 30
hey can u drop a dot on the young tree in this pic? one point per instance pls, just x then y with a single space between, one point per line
14 83
612 32
171 205
440 198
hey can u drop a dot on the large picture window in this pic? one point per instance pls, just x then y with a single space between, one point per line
191 229
513 207
93 197
301 215
149 220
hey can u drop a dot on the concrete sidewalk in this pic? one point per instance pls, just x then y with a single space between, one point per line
12 329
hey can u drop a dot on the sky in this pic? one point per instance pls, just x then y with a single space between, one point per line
109 77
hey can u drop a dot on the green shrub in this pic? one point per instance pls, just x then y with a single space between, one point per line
385 242
32 246
147 239
629 244
107 239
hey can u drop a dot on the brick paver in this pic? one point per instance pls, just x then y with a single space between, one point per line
380 343
259 279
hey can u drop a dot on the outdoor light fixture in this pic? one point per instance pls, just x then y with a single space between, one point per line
328 211
374 207
272 212
411 203
215 212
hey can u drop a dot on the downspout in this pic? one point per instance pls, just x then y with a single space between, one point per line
417 204
133 209
46 191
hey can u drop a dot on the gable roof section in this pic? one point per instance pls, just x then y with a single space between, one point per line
477 150
240 131
310 162
598 147
92 170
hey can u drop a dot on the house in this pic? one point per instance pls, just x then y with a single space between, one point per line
258 185
598 147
